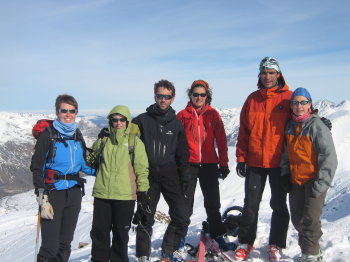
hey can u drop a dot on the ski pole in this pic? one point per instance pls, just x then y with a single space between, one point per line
38 225
37 236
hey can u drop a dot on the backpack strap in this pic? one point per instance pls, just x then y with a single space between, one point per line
134 132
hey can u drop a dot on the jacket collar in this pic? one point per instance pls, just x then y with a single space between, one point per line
274 91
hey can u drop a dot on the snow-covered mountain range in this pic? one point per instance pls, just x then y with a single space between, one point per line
18 212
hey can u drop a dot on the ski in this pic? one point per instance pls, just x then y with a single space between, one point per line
217 249
201 248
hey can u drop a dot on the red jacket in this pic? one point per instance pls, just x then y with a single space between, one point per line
202 131
261 131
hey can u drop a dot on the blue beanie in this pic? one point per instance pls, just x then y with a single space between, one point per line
300 91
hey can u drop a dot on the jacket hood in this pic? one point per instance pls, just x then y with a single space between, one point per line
122 110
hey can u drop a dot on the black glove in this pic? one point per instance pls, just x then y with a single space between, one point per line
185 187
144 201
286 184
327 122
38 182
143 213
37 191
103 133
241 169
138 216
223 172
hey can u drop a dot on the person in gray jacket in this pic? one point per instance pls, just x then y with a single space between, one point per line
309 163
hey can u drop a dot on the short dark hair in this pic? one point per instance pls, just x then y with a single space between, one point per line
165 84
65 99
207 89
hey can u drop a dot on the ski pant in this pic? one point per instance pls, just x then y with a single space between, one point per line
254 188
178 212
207 175
111 215
305 213
57 234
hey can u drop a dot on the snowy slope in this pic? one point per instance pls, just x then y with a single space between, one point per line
18 213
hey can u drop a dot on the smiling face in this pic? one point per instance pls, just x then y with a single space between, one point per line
65 114
197 97
164 98
299 109
269 77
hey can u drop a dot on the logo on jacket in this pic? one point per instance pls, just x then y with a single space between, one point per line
169 132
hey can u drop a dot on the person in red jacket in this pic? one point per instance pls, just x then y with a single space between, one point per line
259 151
204 127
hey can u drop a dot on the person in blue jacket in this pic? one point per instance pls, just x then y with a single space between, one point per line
58 158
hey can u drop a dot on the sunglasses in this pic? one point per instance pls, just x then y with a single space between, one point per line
197 94
166 97
65 111
269 59
116 120
295 103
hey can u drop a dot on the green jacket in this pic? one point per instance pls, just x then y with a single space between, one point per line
116 177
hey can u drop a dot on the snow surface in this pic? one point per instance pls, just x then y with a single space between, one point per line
18 213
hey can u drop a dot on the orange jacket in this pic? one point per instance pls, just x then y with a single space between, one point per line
261 132
309 154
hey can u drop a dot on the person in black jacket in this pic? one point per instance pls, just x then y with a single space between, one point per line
167 150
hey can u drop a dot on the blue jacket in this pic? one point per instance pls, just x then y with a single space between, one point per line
66 158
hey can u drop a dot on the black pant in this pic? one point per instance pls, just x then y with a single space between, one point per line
254 188
57 234
110 215
178 212
208 181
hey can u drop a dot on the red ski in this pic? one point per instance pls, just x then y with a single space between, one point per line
202 247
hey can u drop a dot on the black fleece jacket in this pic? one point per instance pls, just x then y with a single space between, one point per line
165 141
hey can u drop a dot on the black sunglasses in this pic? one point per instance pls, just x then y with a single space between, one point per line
65 111
295 103
166 97
115 120
197 94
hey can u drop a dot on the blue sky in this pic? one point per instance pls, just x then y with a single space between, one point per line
111 52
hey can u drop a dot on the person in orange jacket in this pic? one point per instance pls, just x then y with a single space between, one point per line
258 151
204 128
310 161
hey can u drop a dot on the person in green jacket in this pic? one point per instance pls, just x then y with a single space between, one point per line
122 177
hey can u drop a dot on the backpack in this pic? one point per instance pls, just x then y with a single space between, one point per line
52 176
95 158
40 126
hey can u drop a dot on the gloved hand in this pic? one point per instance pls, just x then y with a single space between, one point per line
185 187
327 122
39 195
46 208
143 217
103 133
286 184
144 200
138 216
241 169
223 172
